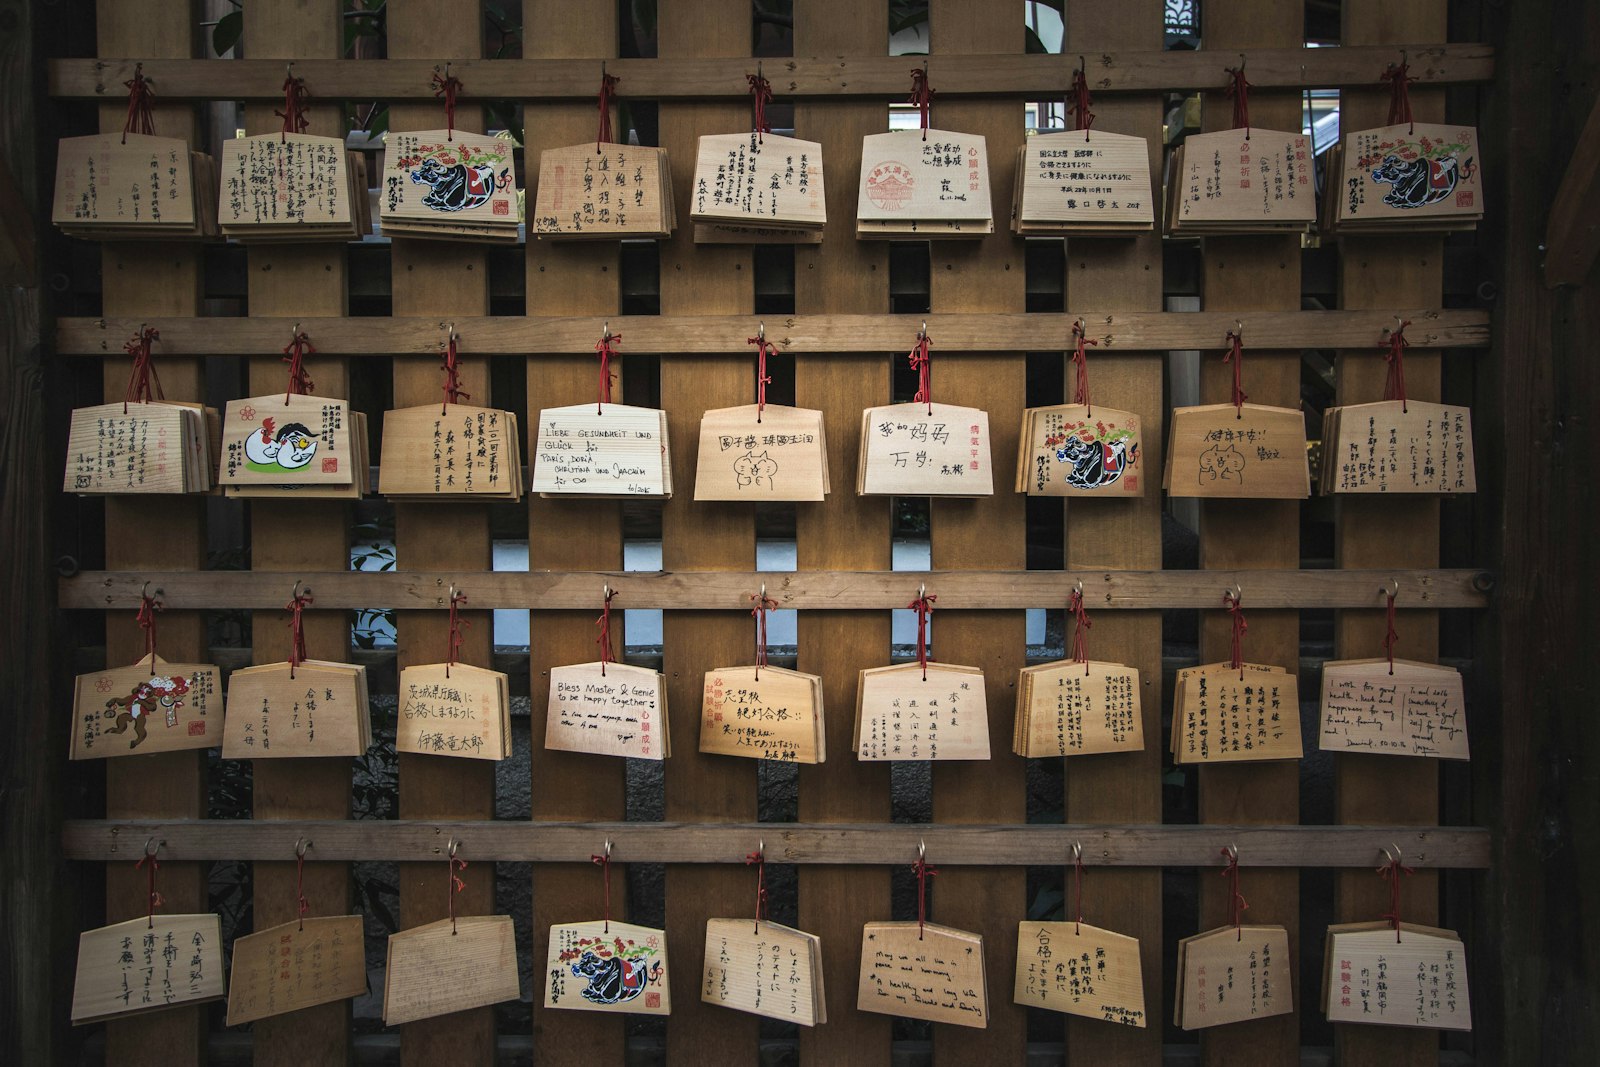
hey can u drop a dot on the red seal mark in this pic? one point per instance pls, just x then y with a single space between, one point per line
330 465
1464 198
102 685
502 207
247 413
197 728
889 185
652 1000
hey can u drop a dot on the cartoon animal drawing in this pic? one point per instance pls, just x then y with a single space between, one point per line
754 470
1096 464
1221 464
458 187
289 448
147 698
615 980
1418 182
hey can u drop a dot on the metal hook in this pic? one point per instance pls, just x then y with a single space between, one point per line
294 594
606 590
288 69
152 846
1077 852
763 591
605 329
607 852
761 848
300 847
144 594
1236 593
761 332
922 590
922 851
1242 62
453 846
1233 853
924 332
1391 590
1077 587
1396 857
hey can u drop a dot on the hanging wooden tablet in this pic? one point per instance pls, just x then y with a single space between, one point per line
602 192
906 451
1077 450
608 966
763 713
1232 974
1408 178
295 444
1226 714
612 710
449 966
134 186
602 450
764 969
315 708
1395 446
454 710
774 453
938 976
291 187
146 707
296 965
1415 709
449 185
1416 976
153 446
1240 182
746 179
1248 452
1080 970
923 185
1083 183
1073 708
439 452
900 715
147 964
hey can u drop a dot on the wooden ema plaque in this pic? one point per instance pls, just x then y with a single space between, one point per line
1397 447
900 715
292 187
278 442
924 185
147 964
601 966
1084 183
1230 975
759 180
764 969
1418 710
602 450
1082 970
297 965
763 713
1411 178
454 710
604 192
1225 714
779 453
450 452
1222 452
449 966
610 710
1416 976
1075 708
906 451
133 187
147 707
449 185
937 976
142 447
1078 450
1239 181
317 708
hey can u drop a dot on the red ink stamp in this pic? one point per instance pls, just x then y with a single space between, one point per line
652 1000
1464 198
889 185
248 413
502 207
330 465
197 728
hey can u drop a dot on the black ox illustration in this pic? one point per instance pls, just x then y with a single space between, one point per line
1095 464
614 980
1418 182
456 188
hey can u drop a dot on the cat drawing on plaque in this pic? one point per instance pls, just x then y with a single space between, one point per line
608 966
147 964
1078 450
151 706
756 452
1249 451
924 450
1078 969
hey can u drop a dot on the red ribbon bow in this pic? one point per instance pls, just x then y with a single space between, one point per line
154 900
921 96
1080 360
604 638
763 604
1392 871
1399 79
761 96
1391 637
759 859
1080 630
1236 660
1235 356
140 94
923 606
608 93
456 886
297 630
1394 387
294 354
144 384
456 638
1236 902
606 351
447 85
453 393
148 606
1082 117
295 100
922 362
1239 90
924 870
764 348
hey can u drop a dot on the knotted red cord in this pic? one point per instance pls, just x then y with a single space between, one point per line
603 859
1080 630
760 96
1236 902
1392 872
295 100
921 96
759 858
455 886
1399 79
453 393
764 348
924 870
1082 117
144 384
456 638
603 347
1236 357
763 604
297 630
302 905
294 354
608 93
1239 90
1080 360
148 606
140 94
604 640
923 606
1394 388
154 899
1390 637
922 363
447 85
1236 660
1077 876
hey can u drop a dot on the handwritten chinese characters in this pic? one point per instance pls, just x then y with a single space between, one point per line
1085 183
441 451
1397 446
449 184
1070 708
765 969
449 966
763 713
1241 181
283 187
908 451
934 973
1253 452
779 453
1232 974
1080 970
296 965
125 187
1416 976
608 966
1224 714
596 192
1076 450
317 708
766 180
602 450
924 187
151 706
902 716
613 710
140 447
1418 710
147 964
454 710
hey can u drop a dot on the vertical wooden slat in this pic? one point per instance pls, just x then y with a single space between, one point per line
983 275
846 532
1122 275
570 278
703 536
1244 274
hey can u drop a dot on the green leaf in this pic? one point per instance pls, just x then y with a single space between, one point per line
226 33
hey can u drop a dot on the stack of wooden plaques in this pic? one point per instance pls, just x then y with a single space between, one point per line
1227 714
763 713
923 972
611 709
294 446
1411 178
599 192
153 446
151 706
765 969
1240 182
1083 184
134 187
145 964
608 966
1075 708
923 185
296 965
924 450
911 712
1081 970
1409 709
454 709
1394 446
1232 975
602 450
1248 452
792 463
758 189
449 966
313 708
449 185
292 187
451 452
1077 450
1414 976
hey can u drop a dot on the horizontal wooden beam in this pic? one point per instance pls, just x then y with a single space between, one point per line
879 843
725 335
731 590
1044 76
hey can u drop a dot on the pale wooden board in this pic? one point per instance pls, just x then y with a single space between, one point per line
147 964
1228 178
906 450
765 180
320 711
763 713
1075 709
1417 710
924 175
902 715
1080 970
937 976
289 181
450 450
764 969
1255 452
608 966
603 191
454 710
1230 975
1227 716
1093 178
298 440
146 183
778 453
447 966
1080 450
1394 447
620 712
145 708
1415 977
448 179
601 449
296 965
134 448
1431 175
